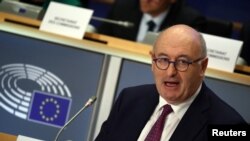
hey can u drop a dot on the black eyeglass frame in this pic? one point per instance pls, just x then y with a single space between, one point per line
187 63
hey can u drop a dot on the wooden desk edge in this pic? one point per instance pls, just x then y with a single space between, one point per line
243 68
7 137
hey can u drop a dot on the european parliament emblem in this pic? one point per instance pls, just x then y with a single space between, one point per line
49 109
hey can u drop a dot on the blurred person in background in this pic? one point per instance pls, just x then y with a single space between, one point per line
163 13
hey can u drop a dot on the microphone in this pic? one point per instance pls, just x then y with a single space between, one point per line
87 104
120 23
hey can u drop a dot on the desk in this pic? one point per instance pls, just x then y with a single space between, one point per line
7 137
110 41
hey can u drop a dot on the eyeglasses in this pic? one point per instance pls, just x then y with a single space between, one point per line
180 64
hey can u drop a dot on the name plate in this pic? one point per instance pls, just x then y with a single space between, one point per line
66 20
222 52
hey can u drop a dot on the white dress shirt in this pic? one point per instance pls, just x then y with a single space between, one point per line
172 120
144 27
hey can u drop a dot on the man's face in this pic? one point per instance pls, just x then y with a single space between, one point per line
173 85
155 7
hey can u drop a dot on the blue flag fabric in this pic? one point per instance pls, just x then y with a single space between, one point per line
49 109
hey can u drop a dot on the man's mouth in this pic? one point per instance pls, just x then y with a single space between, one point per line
171 83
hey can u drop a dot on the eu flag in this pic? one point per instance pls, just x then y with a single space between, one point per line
49 109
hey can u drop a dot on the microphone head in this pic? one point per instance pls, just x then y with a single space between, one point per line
90 101
128 24
125 24
93 98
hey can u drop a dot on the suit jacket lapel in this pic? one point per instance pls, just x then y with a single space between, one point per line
144 112
136 18
172 16
194 119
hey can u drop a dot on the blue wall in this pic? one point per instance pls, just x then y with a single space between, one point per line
232 10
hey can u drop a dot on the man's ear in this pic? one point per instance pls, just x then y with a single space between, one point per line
152 57
204 66
151 54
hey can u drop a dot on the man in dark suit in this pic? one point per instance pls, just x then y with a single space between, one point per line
164 13
179 62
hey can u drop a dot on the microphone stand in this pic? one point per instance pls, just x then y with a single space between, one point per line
88 103
120 23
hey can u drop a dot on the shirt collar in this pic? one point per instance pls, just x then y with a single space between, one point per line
179 109
158 19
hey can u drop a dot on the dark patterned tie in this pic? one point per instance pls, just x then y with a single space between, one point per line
151 25
155 132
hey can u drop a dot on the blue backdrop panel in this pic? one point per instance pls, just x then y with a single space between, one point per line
30 65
